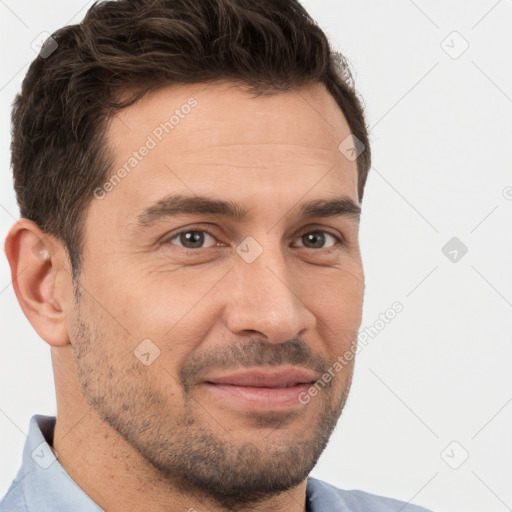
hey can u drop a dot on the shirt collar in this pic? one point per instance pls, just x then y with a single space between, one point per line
42 483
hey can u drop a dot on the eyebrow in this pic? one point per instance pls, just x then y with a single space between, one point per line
176 205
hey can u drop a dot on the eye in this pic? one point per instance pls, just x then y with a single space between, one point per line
317 239
191 238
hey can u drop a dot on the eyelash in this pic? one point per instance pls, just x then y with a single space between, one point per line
167 240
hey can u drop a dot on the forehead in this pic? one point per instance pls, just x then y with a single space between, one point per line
308 116
216 139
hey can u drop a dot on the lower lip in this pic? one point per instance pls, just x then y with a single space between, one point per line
260 398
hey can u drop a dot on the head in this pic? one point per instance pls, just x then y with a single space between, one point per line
190 208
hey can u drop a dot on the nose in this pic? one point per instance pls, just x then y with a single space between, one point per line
264 298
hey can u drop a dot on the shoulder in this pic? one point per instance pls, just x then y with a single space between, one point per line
325 497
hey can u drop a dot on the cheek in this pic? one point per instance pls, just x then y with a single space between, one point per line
171 309
162 300
340 287
336 299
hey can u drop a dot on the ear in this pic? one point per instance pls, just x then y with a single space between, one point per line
41 280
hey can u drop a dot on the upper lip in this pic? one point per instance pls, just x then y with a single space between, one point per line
280 377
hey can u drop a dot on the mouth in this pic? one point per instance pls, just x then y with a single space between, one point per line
263 390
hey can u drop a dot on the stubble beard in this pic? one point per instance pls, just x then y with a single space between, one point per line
232 473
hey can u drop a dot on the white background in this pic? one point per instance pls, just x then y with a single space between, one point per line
441 133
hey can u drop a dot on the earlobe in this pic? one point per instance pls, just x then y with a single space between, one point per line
36 259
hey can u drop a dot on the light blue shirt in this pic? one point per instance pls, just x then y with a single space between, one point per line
42 485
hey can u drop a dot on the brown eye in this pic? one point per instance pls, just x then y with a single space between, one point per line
190 238
317 239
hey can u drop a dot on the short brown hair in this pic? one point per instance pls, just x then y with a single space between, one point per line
136 46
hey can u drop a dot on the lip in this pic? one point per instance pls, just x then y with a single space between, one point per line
260 390
281 377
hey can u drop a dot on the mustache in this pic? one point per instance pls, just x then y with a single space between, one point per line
249 354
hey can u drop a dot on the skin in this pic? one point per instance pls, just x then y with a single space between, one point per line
145 437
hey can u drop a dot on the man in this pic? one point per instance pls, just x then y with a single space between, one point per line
190 176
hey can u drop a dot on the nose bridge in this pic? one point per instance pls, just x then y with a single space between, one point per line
264 297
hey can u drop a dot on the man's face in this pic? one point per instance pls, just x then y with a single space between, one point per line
188 324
